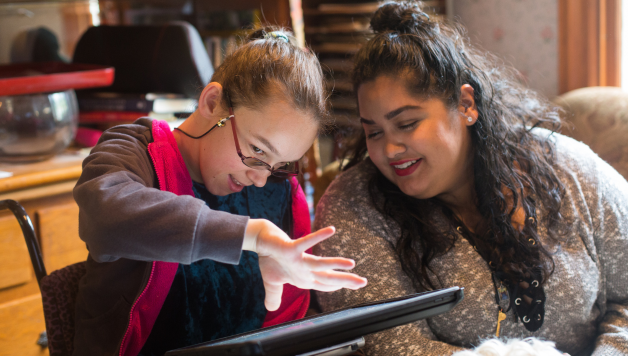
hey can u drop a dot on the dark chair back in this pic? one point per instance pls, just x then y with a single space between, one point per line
58 294
58 290
168 58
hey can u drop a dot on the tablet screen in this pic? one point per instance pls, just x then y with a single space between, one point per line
326 320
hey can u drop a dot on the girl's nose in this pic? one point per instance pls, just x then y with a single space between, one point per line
258 177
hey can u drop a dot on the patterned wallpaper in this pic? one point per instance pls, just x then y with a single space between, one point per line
524 33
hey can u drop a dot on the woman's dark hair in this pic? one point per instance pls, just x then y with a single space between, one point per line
269 63
434 60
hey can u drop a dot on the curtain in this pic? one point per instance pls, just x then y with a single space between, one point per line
589 43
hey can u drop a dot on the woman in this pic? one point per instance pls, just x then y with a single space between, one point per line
453 182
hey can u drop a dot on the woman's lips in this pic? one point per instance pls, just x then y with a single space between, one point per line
234 186
406 167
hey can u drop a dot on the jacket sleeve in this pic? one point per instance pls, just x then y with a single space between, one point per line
123 214
611 234
375 258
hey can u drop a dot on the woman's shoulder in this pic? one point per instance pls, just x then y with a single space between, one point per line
354 182
349 194
582 171
573 157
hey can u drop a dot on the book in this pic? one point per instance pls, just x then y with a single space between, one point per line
349 8
151 102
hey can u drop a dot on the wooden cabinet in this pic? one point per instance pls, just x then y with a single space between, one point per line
45 191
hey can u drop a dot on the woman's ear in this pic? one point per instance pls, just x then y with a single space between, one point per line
211 97
467 108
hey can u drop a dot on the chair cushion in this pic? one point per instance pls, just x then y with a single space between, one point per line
58 292
598 116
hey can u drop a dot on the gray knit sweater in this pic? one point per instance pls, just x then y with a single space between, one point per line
587 296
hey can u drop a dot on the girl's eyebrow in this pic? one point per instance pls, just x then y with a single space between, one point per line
266 143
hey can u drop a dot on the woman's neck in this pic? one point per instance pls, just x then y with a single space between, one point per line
463 203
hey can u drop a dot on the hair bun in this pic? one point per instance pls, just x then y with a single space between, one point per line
402 17
271 33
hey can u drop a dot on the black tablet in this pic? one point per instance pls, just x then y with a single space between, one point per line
325 331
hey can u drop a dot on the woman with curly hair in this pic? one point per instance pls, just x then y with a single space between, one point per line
459 178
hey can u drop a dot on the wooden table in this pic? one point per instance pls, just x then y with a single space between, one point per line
45 191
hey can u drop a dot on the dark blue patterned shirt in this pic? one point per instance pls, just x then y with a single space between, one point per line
209 300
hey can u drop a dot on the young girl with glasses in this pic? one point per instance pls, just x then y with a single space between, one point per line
174 258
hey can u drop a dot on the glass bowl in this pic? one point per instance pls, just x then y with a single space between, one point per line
35 127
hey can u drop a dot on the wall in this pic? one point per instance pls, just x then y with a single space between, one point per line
67 20
524 33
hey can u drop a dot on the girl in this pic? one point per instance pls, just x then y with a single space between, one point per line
160 271
461 187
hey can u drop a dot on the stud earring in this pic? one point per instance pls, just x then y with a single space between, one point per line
469 119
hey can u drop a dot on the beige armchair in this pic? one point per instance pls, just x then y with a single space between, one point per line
598 116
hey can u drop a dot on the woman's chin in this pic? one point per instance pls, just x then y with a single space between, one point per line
414 191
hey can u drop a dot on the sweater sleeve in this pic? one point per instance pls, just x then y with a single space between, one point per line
611 208
360 235
123 214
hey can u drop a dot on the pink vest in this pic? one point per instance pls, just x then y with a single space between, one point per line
174 177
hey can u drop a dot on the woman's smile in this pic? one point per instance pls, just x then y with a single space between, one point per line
406 167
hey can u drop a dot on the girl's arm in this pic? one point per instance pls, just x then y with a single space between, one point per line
123 214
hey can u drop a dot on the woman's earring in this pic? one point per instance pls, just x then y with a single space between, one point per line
469 118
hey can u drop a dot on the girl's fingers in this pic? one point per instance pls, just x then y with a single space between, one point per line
324 287
341 279
305 242
273 296
317 263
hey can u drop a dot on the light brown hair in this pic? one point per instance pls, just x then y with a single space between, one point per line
269 65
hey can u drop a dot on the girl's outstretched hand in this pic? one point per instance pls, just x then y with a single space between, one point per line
283 260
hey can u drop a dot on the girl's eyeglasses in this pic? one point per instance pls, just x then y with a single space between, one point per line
280 170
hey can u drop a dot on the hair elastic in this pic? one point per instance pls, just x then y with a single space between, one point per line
277 35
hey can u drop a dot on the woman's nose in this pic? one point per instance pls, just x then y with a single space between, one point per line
394 148
258 177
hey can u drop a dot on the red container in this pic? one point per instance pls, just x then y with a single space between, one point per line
46 77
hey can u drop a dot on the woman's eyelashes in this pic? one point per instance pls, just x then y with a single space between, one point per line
406 126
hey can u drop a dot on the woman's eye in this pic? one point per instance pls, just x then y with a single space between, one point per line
408 126
373 134
257 150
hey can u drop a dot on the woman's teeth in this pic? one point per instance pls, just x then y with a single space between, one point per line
405 165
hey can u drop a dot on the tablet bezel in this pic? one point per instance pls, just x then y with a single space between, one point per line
420 306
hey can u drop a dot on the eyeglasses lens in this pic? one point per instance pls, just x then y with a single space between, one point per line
284 170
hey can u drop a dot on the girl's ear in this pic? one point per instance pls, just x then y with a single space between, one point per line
467 107
211 97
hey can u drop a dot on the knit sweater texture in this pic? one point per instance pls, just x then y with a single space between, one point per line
586 311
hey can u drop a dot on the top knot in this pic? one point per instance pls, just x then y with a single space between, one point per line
271 33
402 17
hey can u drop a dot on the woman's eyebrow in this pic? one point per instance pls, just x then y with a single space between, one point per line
367 121
398 111
266 143
391 114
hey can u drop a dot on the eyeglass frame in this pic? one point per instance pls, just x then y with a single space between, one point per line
264 165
